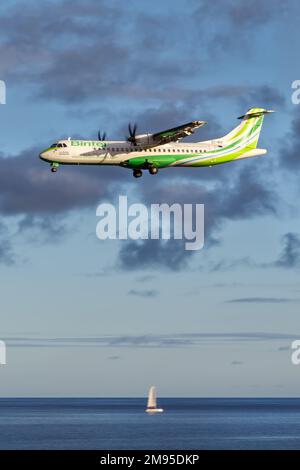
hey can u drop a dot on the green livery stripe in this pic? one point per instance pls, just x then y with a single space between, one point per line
221 155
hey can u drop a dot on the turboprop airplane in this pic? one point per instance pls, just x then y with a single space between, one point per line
162 149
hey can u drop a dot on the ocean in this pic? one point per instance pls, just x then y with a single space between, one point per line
121 423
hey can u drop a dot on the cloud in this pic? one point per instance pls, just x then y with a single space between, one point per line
146 293
247 195
180 104
150 341
52 228
39 202
76 51
7 255
264 95
153 254
28 187
262 300
219 20
237 363
289 258
289 152
145 278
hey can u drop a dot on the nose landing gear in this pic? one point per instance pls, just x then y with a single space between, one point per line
54 167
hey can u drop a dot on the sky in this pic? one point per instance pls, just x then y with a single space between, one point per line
84 317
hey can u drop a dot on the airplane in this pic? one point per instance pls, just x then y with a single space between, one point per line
162 150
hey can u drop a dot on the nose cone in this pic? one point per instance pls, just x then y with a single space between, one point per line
42 155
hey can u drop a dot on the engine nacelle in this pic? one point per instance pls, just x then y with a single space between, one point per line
143 139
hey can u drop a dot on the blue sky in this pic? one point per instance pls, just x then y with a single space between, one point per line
85 317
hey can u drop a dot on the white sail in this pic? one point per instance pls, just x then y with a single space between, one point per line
152 398
151 405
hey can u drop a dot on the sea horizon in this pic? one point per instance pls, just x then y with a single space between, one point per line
121 423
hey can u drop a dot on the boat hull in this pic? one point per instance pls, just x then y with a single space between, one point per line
154 410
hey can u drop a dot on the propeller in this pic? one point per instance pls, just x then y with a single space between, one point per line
101 137
132 132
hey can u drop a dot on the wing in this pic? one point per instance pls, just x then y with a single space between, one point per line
177 133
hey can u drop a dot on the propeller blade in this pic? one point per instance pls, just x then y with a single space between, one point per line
103 137
132 132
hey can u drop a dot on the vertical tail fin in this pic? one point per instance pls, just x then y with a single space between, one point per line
247 132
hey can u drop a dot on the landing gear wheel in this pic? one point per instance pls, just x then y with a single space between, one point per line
137 173
153 170
54 169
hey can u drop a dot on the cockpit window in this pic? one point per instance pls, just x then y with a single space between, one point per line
58 145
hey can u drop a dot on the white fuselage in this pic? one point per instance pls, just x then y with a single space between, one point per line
116 152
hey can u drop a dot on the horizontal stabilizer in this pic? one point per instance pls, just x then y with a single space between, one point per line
256 114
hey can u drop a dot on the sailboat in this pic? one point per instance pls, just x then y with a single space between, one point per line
151 405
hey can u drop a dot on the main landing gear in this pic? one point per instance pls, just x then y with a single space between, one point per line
137 173
153 170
